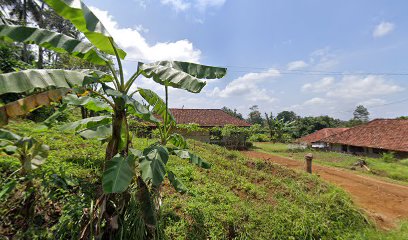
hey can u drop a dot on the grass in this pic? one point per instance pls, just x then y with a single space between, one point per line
397 170
237 198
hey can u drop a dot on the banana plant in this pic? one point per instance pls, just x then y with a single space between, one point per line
29 151
31 154
114 95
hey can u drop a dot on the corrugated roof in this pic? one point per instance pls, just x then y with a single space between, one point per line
320 134
206 117
390 134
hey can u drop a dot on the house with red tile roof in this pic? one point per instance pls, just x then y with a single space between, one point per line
314 139
373 138
207 118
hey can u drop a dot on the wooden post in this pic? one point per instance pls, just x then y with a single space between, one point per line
309 158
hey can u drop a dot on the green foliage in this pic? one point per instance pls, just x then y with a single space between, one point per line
181 75
64 185
10 58
118 174
30 152
43 113
53 41
253 199
308 125
239 197
156 103
256 128
259 137
279 130
230 136
179 186
361 114
233 113
29 80
287 116
388 157
86 22
254 116
152 164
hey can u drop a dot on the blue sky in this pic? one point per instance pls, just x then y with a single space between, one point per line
314 57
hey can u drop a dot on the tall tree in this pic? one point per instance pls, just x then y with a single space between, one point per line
21 11
254 116
308 125
287 116
361 114
233 113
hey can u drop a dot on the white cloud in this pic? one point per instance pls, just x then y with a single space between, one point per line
247 86
372 102
353 87
138 48
142 29
203 4
323 59
295 65
338 97
142 3
383 29
363 87
178 5
314 101
320 86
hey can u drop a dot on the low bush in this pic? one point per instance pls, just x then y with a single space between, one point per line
259 137
388 157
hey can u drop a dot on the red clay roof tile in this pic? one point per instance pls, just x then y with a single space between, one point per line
206 117
390 134
320 134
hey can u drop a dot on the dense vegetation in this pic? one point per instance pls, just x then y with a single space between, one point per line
237 198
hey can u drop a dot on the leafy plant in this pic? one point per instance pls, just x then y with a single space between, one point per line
115 97
388 157
29 151
259 137
31 154
278 128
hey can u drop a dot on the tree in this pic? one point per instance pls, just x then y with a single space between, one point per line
287 116
254 116
361 114
308 125
117 99
233 113
277 128
22 10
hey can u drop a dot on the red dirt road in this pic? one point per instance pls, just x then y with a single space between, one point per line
386 203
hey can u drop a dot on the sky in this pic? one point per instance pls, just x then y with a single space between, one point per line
313 57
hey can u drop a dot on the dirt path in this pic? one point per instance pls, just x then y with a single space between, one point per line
384 202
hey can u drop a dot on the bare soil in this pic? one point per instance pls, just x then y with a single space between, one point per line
385 203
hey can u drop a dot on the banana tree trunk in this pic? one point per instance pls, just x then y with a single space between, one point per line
119 122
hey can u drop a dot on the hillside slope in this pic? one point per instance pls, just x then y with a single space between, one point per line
237 198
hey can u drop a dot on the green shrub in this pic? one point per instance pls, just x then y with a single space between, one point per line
248 145
42 113
404 162
259 137
388 157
